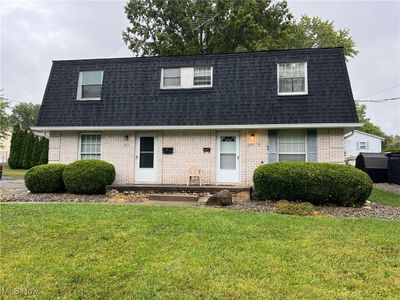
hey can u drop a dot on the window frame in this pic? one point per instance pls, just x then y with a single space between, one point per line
305 79
203 85
80 144
362 145
298 153
169 86
80 81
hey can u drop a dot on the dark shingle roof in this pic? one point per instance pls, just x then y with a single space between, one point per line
244 92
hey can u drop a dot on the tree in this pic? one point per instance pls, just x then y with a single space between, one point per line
316 33
29 141
179 27
36 152
17 140
367 125
44 154
24 114
4 120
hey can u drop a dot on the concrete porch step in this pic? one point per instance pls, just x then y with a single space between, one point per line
173 197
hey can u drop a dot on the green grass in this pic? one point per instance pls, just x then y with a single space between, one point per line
384 197
74 251
14 173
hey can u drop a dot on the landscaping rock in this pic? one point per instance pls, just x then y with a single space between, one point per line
222 198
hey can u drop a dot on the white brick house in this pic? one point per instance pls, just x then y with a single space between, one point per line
154 118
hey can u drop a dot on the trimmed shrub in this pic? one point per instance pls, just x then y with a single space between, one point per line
29 143
17 141
317 183
88 176
35 152
295 208
44 151
45 179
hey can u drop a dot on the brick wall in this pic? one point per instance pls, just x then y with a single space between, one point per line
188 151
331 145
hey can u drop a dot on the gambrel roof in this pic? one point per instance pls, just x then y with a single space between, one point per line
244 92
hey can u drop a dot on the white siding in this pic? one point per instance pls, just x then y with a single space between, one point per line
352 144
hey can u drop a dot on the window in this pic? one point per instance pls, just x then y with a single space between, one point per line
146 152
228 153
90 84
292 78
172 77
202 76
90 147
363 146
292 145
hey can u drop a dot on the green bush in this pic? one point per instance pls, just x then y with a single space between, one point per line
295 208
317 183
45 179
88 176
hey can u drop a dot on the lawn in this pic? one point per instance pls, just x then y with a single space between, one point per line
134 251
384 197
14 173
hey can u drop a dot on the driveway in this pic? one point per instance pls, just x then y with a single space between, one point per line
12 186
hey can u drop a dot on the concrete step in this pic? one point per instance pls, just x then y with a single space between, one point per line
173 197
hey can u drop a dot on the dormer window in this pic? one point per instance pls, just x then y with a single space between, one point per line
186 78
292 78
202 76
90 85
172 77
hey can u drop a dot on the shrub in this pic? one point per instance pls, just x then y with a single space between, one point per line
45 179
88 176
16 148
44 151
295 208
29 142
317 183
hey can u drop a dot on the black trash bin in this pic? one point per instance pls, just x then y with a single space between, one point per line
393 175
374 164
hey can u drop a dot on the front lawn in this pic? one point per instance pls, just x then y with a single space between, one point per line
13 173
384 197
134 251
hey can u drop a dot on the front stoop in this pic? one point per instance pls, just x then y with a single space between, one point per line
173 197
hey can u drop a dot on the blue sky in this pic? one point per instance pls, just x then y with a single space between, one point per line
33 33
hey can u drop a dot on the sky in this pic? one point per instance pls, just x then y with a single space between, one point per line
34 33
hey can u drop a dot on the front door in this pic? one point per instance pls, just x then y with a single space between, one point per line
228 158
145 162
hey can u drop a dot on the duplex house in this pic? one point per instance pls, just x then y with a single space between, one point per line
154 118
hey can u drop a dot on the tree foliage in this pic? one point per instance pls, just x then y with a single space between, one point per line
44 152
367 125
24 114
178 27
17 141
28 147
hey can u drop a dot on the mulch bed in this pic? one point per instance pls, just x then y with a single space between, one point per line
372 210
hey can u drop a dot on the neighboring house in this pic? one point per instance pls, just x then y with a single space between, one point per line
358 141
5 144
156 117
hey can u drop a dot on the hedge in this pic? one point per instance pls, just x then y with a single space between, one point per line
45 179
317 183
88 176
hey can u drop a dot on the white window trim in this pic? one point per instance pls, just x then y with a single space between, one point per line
305 80
186 83
305 148
203 85
363 146
80 143
79 91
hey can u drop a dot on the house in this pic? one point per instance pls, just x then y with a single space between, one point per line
358 141
154 118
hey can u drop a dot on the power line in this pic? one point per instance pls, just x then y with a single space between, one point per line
380 100
378 92
115 50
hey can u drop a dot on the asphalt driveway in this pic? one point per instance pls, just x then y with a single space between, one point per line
12 186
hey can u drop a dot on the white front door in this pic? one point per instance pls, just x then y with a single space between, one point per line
228 158
145 160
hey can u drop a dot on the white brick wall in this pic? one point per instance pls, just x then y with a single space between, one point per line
188 151
331 145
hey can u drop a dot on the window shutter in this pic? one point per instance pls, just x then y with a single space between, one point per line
312 148
272 146
358 145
